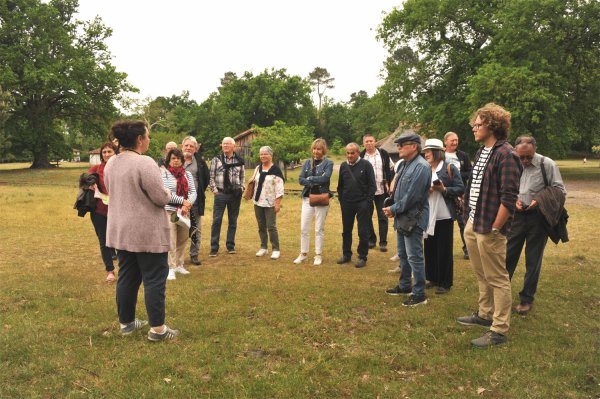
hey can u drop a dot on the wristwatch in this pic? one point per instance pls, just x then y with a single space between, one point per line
495 230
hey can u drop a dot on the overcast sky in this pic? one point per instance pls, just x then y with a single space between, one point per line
169 46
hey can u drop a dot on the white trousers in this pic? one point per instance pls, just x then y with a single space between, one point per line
319 213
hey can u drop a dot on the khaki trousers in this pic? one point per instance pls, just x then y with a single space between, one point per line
179 237
488 258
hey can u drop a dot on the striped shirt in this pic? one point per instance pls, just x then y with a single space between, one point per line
170 182
377 164
477 178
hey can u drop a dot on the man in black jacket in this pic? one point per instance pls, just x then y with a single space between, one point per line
460 159
383 170
356 189
194 163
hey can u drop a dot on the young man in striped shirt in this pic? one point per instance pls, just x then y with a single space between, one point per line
490 201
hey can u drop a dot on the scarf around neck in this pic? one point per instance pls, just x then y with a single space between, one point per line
182 183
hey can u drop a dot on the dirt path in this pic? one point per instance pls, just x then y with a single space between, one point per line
583 193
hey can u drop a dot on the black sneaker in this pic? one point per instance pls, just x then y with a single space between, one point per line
342 260
488 339
383 248
415 301
466 256
195 260
372 245
360 263
474 320
133 326
398 291
212 254
231 251
442 290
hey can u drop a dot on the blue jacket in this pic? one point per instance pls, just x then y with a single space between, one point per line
412 191
321 178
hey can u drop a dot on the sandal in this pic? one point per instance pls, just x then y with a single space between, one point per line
110 277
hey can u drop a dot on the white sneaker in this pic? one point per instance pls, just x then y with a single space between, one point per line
318 260
171 275
181 269
395 257
395 270
262 252
275 254
301 258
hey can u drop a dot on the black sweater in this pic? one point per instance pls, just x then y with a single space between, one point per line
361 187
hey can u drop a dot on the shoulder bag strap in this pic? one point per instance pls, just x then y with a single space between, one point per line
544 173
354 178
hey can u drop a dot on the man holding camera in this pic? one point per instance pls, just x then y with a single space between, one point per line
528 223
227 184
411 217
380 160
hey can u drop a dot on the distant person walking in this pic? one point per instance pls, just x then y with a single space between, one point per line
99 215
315 178
138 228
227 184
267 196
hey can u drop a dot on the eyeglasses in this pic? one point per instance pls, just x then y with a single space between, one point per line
476 126
526 157
405 144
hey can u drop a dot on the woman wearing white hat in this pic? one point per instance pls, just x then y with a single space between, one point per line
446 184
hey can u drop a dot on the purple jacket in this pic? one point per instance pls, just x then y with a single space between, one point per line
500 185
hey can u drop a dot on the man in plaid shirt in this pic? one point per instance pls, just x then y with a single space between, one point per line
490 201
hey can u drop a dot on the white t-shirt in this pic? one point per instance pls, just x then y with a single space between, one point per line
476 179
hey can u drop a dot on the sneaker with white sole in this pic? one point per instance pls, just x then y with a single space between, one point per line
275 255
166 335
133 326
396 269
171 275
395 258
301 258
181 270
318 260
262 252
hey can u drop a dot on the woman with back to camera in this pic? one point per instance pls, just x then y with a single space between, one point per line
268 192
315 176
446 185
99 214
183 195
138 228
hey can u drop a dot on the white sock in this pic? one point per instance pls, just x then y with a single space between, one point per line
156 332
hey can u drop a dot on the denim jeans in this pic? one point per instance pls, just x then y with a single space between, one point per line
196 221
412 262
232 203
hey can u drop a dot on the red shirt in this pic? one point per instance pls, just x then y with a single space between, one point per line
101 208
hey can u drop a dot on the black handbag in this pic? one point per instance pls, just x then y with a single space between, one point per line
407 221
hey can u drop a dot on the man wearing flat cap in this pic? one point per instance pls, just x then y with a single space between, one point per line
411 216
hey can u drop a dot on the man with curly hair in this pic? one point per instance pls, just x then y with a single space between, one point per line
490 201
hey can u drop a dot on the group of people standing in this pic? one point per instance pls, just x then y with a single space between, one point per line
153 211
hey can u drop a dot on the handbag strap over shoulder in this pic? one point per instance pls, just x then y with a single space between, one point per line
544 172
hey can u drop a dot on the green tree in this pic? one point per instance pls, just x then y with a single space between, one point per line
290 143
320 80
59 72
538 58
6 104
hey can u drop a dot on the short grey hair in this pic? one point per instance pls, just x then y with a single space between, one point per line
266 148
170 144
353 144
526 140
190 138
448 135
228 139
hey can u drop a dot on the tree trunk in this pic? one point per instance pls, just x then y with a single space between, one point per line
40 158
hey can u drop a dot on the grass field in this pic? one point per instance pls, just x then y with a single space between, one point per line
259 328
